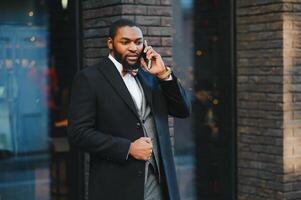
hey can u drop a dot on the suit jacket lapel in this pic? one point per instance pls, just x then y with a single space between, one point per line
145 82
108 69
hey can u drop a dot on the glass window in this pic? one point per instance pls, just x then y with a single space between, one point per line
35 77
204 143
24 142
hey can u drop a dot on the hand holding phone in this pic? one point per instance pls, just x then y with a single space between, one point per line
149 61
154 64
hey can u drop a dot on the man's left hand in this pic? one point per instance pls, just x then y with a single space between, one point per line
157 64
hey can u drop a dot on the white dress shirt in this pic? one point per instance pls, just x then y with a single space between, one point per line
130 83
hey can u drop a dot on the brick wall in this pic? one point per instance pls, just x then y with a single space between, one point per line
259 99
154 16
268 99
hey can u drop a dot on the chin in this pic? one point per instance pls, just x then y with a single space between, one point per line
132 64
135 65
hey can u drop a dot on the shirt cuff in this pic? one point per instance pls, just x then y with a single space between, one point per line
169 78
127 156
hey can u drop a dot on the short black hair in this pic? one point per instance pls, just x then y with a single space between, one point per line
119 24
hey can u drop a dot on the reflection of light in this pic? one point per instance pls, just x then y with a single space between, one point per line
186 4
24 62
9 63
62 123
30 13
64 4
33 38
199 53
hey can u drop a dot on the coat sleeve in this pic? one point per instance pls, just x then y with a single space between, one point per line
178 103
81 124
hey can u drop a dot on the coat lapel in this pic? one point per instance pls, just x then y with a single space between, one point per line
108 69
145 82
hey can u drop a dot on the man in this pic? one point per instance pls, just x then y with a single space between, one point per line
119 114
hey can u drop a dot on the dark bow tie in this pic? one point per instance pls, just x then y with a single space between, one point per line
132 72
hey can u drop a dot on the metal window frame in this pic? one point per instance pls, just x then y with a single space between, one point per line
233 95
77 158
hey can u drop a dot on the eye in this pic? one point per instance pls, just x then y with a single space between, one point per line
138 42
124 42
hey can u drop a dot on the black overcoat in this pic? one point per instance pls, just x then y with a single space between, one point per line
103 121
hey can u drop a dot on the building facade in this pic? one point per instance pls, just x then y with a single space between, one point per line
268 103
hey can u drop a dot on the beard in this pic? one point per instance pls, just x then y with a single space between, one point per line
125 63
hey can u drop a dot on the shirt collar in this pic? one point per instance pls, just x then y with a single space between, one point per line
117 64
119 67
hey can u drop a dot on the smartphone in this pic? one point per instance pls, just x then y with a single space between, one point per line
149 62
143 55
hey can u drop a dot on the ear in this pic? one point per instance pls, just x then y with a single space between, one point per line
110 43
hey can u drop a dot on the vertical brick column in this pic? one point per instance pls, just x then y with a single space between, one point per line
292 100
259 99
268 99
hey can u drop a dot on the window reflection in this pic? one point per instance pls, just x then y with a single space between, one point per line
34 92
24 111
201 51
210 139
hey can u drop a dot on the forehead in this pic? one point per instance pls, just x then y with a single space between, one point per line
132 33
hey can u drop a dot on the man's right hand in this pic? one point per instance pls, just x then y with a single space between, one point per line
141 149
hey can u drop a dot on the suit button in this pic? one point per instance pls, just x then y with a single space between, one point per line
140 173
138 125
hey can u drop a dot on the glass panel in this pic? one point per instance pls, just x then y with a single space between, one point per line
36 68
204 142
24 159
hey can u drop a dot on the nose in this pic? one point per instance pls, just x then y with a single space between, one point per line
133 47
